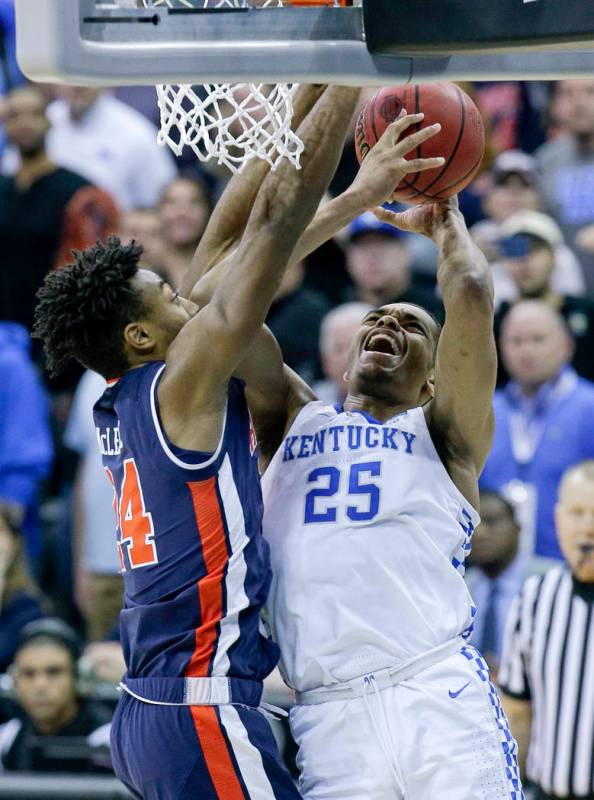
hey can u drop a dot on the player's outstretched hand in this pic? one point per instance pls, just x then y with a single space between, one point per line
385 165
426 219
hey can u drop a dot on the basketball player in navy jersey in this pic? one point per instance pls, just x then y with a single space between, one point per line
178 447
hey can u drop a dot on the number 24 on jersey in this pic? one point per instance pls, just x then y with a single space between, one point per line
136 534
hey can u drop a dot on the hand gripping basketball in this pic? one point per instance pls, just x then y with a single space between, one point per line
385 165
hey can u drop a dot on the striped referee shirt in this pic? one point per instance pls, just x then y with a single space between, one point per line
548 659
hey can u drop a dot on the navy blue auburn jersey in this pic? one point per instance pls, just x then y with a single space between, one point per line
189 536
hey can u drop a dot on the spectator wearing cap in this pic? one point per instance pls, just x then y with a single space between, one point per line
530 242
495 573
20 598
378 259
45 680
566 165
544 418
338 330
26 451
111 144
514 187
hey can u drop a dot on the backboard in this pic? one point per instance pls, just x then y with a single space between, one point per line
382 41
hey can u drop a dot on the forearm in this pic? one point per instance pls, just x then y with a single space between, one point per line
463 271
230 216
284 207
289 198
330 218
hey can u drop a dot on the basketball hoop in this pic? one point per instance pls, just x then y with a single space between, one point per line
228 123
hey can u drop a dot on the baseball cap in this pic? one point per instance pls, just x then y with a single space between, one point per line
528 226
54 629
369 223
515 162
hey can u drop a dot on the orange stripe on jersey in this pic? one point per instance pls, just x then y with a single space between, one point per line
210 588
216 755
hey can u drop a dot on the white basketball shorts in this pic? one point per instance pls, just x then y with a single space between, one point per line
440 735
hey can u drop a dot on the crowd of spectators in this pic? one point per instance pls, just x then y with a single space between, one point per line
79 163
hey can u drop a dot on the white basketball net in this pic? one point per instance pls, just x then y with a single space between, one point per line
230 123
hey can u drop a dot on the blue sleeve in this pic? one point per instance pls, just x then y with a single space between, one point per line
26 449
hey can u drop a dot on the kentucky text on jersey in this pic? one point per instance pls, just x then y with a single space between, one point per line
110 441
335 438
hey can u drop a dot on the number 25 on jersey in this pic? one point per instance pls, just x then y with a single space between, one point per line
363 496
136 535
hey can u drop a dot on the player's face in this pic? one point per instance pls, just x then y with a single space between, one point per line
393 348
532 272
44 681
167 311
574 517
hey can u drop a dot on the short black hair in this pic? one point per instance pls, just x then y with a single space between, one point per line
84 307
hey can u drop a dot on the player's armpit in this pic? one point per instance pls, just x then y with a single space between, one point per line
275 393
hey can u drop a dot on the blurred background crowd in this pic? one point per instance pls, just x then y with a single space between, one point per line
79 163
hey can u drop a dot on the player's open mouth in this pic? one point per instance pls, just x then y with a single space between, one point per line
383 342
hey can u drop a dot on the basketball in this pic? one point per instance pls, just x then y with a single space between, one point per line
461 140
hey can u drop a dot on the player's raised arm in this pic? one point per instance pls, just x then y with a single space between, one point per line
229 218
466 361
209 348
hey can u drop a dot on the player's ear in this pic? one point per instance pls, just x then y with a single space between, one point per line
138 337
430 386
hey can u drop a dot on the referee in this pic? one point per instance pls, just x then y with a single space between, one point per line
547 670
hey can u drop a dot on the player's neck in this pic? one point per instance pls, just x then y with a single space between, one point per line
378 408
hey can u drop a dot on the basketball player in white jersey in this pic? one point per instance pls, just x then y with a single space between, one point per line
369 510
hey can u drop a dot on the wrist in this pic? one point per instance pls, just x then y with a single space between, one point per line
356 200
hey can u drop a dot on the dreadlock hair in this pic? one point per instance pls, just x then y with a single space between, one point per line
84 307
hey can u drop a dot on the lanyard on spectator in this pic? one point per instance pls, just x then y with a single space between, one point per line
527 426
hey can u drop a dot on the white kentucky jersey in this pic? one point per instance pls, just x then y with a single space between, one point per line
368 538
